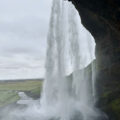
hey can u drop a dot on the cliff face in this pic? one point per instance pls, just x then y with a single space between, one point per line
102 19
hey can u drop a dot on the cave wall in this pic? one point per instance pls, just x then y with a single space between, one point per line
102 19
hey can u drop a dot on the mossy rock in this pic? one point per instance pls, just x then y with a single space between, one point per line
34 93
110 103
115 106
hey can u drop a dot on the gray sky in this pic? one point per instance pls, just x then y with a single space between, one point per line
23 32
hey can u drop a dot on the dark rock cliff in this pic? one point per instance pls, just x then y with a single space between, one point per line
102 19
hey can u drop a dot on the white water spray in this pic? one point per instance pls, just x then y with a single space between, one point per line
71 49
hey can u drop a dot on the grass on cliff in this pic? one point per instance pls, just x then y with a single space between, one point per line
9 90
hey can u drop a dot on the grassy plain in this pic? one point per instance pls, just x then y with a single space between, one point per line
9 90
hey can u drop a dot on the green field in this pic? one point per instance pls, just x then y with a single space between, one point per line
9 90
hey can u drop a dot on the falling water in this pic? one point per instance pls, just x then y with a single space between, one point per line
69 90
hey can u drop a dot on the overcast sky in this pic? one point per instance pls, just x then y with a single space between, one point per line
23 32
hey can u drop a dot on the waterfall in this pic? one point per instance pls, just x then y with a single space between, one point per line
69 87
